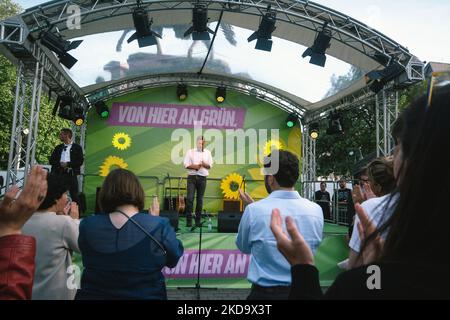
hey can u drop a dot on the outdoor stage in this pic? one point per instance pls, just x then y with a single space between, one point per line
223 266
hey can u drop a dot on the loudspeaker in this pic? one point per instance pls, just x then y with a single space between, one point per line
231 205
173 217
228 221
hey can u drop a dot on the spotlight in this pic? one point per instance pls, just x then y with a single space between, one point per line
221 94
314 130
291 120
199 29
182 92
264 32
335 123
64 105
377 79
60 46
78 115
144 34
320 46
69 111
102 109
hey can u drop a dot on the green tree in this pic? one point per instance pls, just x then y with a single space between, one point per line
48 127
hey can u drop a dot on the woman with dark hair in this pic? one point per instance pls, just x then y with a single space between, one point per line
123 249
413 262
56 235
380 173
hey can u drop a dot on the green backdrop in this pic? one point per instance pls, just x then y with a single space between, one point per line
149 154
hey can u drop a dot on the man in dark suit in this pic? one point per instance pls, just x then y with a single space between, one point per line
66 160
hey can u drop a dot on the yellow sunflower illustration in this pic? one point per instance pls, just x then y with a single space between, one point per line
230 186
109 163
275 144
121 141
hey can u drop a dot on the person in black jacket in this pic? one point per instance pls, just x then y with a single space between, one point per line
66 160
413 262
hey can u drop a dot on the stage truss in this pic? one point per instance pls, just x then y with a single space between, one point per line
40 68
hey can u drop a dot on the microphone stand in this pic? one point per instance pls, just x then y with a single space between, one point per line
197 286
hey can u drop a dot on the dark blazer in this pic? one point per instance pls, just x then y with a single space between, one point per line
76 159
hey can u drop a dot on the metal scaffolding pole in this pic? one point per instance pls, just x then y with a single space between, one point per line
308 163
24 127
15 147
386 114
33 119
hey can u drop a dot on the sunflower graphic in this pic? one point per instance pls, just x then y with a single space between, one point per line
230 186
111 162
275 144
121 141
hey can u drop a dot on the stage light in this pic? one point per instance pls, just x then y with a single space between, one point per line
182 92
78 115
320 46
291 120
263 35
335 123
102 109
314 130
68 110
221 94
377 79
144 34
64 105
60 46
199 28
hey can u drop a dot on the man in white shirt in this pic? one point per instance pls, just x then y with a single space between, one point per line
269 272
198 161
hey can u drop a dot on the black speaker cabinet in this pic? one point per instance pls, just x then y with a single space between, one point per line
173 217
231 205
228 221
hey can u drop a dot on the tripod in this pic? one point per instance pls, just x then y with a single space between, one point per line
197 286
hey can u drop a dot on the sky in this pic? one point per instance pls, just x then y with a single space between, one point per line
421 26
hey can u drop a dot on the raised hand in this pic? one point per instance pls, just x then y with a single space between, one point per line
245 197
295 250
74 211
357 195
14 213
366 227
154 208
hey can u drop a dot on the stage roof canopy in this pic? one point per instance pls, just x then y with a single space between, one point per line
108 62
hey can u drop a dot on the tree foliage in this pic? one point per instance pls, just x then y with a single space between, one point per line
341 154
48 126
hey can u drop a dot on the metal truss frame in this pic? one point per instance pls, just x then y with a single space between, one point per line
24 129
308 162
207 80
301 13
386 114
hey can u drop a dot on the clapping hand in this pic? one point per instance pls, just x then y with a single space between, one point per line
14 213
295 250
154 209
366 227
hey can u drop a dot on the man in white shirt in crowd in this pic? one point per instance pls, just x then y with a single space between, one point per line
198 161
269 272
